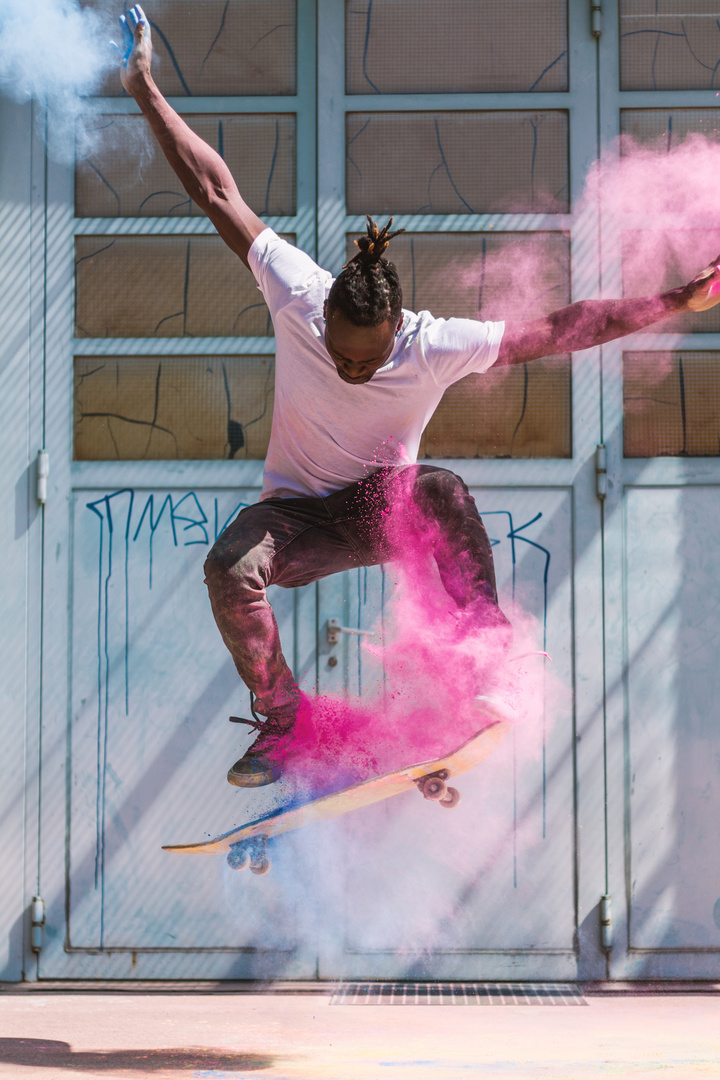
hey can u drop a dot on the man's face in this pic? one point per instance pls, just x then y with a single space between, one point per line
357 351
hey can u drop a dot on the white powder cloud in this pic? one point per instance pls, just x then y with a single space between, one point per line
55 53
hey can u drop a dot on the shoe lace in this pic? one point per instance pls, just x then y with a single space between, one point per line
241 720
271 729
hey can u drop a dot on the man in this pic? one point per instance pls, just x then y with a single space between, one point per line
357 380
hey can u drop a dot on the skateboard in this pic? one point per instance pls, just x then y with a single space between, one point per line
247 844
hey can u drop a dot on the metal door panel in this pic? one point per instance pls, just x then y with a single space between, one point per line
489 889
137 685
369 878
20 529
672 600
660 600
149 743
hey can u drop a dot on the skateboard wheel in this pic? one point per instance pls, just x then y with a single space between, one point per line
262 866
434 788
237 857
452 798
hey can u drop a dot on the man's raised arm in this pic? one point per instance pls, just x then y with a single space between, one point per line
201 171
593 322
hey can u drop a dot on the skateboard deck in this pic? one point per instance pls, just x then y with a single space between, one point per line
247 843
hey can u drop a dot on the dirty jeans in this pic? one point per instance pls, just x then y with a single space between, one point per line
291 542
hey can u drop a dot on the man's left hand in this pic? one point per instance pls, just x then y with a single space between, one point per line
137 46
703 292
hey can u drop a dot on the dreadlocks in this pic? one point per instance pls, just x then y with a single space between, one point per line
367 291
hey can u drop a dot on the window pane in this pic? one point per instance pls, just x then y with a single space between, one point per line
457 162
656 260
665 128
232 47
510 412
149 407
497 275
457 46
164 286
121 173
671 404
669 45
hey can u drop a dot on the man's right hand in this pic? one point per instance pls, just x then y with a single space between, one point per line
137 44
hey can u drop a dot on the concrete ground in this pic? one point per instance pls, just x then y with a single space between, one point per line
301 1036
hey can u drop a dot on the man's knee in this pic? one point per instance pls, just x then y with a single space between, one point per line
216 566
236 564
440 491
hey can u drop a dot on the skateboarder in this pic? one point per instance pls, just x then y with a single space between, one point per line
357 380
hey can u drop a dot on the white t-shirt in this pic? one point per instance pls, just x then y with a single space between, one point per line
327 434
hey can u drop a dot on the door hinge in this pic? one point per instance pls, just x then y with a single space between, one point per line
601 470
606 922
38 922
596 18
42 471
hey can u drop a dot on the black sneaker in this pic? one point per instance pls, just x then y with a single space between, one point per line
260 765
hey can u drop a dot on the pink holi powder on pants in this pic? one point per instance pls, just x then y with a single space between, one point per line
435 665
427 711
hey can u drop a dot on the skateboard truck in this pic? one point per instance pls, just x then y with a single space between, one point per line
253 851
433 786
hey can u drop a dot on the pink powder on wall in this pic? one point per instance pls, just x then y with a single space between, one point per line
663 208
660 217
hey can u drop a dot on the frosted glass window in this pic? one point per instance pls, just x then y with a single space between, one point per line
669 45
149 407
671 404
522 411
666 128
120 172
457 46
493 275
164 286
457 162
217 47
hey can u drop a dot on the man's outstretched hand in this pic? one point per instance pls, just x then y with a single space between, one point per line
137 49
593 322
703 291
200 169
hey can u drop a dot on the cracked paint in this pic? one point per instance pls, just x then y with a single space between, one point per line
146 408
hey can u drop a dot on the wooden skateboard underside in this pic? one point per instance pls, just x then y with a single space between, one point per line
359 795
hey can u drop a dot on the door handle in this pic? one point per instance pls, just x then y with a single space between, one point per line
334 629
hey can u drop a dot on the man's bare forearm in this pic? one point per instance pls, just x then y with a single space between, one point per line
202 172
587 323
196 164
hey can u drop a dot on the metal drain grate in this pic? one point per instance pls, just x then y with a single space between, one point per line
456 993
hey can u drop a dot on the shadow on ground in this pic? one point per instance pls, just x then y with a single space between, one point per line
60 1055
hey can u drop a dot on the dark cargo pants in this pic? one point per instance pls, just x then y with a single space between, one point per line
291 542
